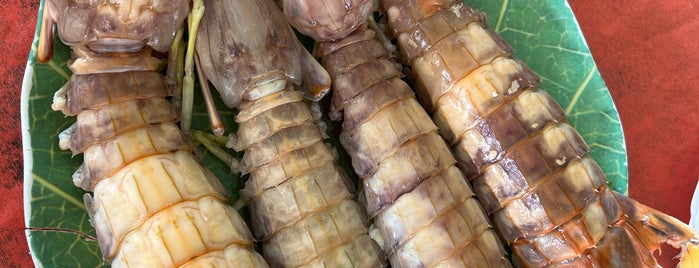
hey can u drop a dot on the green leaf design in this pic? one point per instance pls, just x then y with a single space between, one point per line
55 202
544 34
547 37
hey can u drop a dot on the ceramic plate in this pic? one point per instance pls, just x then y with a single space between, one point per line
544 34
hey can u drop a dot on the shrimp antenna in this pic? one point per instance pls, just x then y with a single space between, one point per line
214 119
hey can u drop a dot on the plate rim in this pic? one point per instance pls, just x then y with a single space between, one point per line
28 157
28 181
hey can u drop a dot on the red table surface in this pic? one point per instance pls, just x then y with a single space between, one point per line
646 51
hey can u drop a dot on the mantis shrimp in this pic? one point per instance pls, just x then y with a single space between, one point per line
421 204
546 197
153 204
301 203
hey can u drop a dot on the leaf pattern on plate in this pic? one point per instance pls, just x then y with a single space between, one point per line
55 202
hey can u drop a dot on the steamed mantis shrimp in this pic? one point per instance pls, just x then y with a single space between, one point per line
153 204
302 205
420 202
547 198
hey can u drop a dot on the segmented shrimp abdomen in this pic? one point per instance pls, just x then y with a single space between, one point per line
153 203
529 168
301 203
421 204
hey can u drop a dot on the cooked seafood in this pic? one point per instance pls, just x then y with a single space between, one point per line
153 205
422 205
545 195
301 203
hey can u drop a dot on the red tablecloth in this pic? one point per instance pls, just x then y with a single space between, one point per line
646 50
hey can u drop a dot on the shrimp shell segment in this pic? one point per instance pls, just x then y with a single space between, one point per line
530 169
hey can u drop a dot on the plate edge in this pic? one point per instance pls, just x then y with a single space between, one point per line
27 84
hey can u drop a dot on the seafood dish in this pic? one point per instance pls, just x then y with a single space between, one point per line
152 203
530 169
422 206
462 158
302 205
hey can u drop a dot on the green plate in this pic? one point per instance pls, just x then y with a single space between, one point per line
544 35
